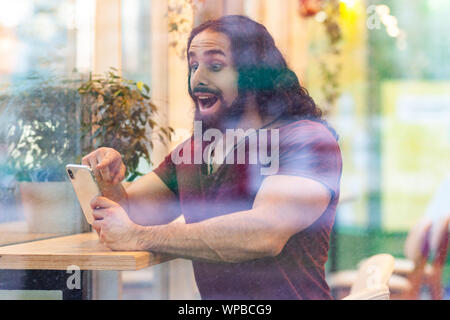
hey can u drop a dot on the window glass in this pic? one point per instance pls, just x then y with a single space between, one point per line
46 47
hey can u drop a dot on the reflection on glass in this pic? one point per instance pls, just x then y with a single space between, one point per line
41 44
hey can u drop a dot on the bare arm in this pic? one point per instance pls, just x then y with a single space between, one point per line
283 206
151 202
147 200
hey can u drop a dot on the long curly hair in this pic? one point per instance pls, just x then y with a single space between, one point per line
262 70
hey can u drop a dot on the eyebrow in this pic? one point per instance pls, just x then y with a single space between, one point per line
208 52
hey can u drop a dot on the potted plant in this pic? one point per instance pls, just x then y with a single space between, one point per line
55 122
119 114
42 135
7 181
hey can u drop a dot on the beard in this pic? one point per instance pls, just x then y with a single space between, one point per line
225 118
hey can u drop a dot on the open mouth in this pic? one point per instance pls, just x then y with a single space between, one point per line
207 101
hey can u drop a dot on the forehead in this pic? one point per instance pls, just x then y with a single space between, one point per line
209 40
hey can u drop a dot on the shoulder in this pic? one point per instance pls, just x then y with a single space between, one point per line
306 132
309 149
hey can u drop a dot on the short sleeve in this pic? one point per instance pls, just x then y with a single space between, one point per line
310 150
166 171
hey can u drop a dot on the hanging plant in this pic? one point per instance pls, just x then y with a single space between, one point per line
181 21
329 11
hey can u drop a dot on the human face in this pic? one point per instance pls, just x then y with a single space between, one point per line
213 78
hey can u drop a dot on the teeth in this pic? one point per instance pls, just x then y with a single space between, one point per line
203 97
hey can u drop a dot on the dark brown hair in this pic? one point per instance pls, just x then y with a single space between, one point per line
262 70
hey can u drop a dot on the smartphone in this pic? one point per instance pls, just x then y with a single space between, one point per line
85 186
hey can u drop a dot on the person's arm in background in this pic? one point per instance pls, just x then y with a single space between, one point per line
147 201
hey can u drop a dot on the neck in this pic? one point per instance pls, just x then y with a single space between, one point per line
251 119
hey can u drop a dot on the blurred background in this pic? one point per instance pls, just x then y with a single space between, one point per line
380 70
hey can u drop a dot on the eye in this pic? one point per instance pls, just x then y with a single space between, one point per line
216 67
194 66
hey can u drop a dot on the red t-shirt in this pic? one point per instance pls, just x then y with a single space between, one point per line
307 149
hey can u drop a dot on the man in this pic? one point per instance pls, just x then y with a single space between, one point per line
249 235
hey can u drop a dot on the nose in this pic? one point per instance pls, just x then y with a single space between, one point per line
199 77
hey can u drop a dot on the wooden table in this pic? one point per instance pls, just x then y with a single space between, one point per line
17 232
82 250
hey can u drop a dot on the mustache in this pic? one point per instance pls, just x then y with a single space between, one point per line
203 89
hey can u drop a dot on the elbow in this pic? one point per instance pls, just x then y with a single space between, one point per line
270 247
276 240
274 247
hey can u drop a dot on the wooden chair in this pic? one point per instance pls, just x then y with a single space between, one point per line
417 270
416 250
407 279
439 248
372 279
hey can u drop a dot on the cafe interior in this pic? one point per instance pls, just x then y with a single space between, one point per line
378 69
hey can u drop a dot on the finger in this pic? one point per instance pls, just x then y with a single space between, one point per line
114 168
103 166
120 175
95 170
105 173
93 162
86 160
106 159
102 202
97 231
98 177
101 237
97 226
98 215
117 179
90 159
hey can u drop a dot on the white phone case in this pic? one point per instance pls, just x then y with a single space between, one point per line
85 186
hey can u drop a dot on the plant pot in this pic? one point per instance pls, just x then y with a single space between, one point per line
51 207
